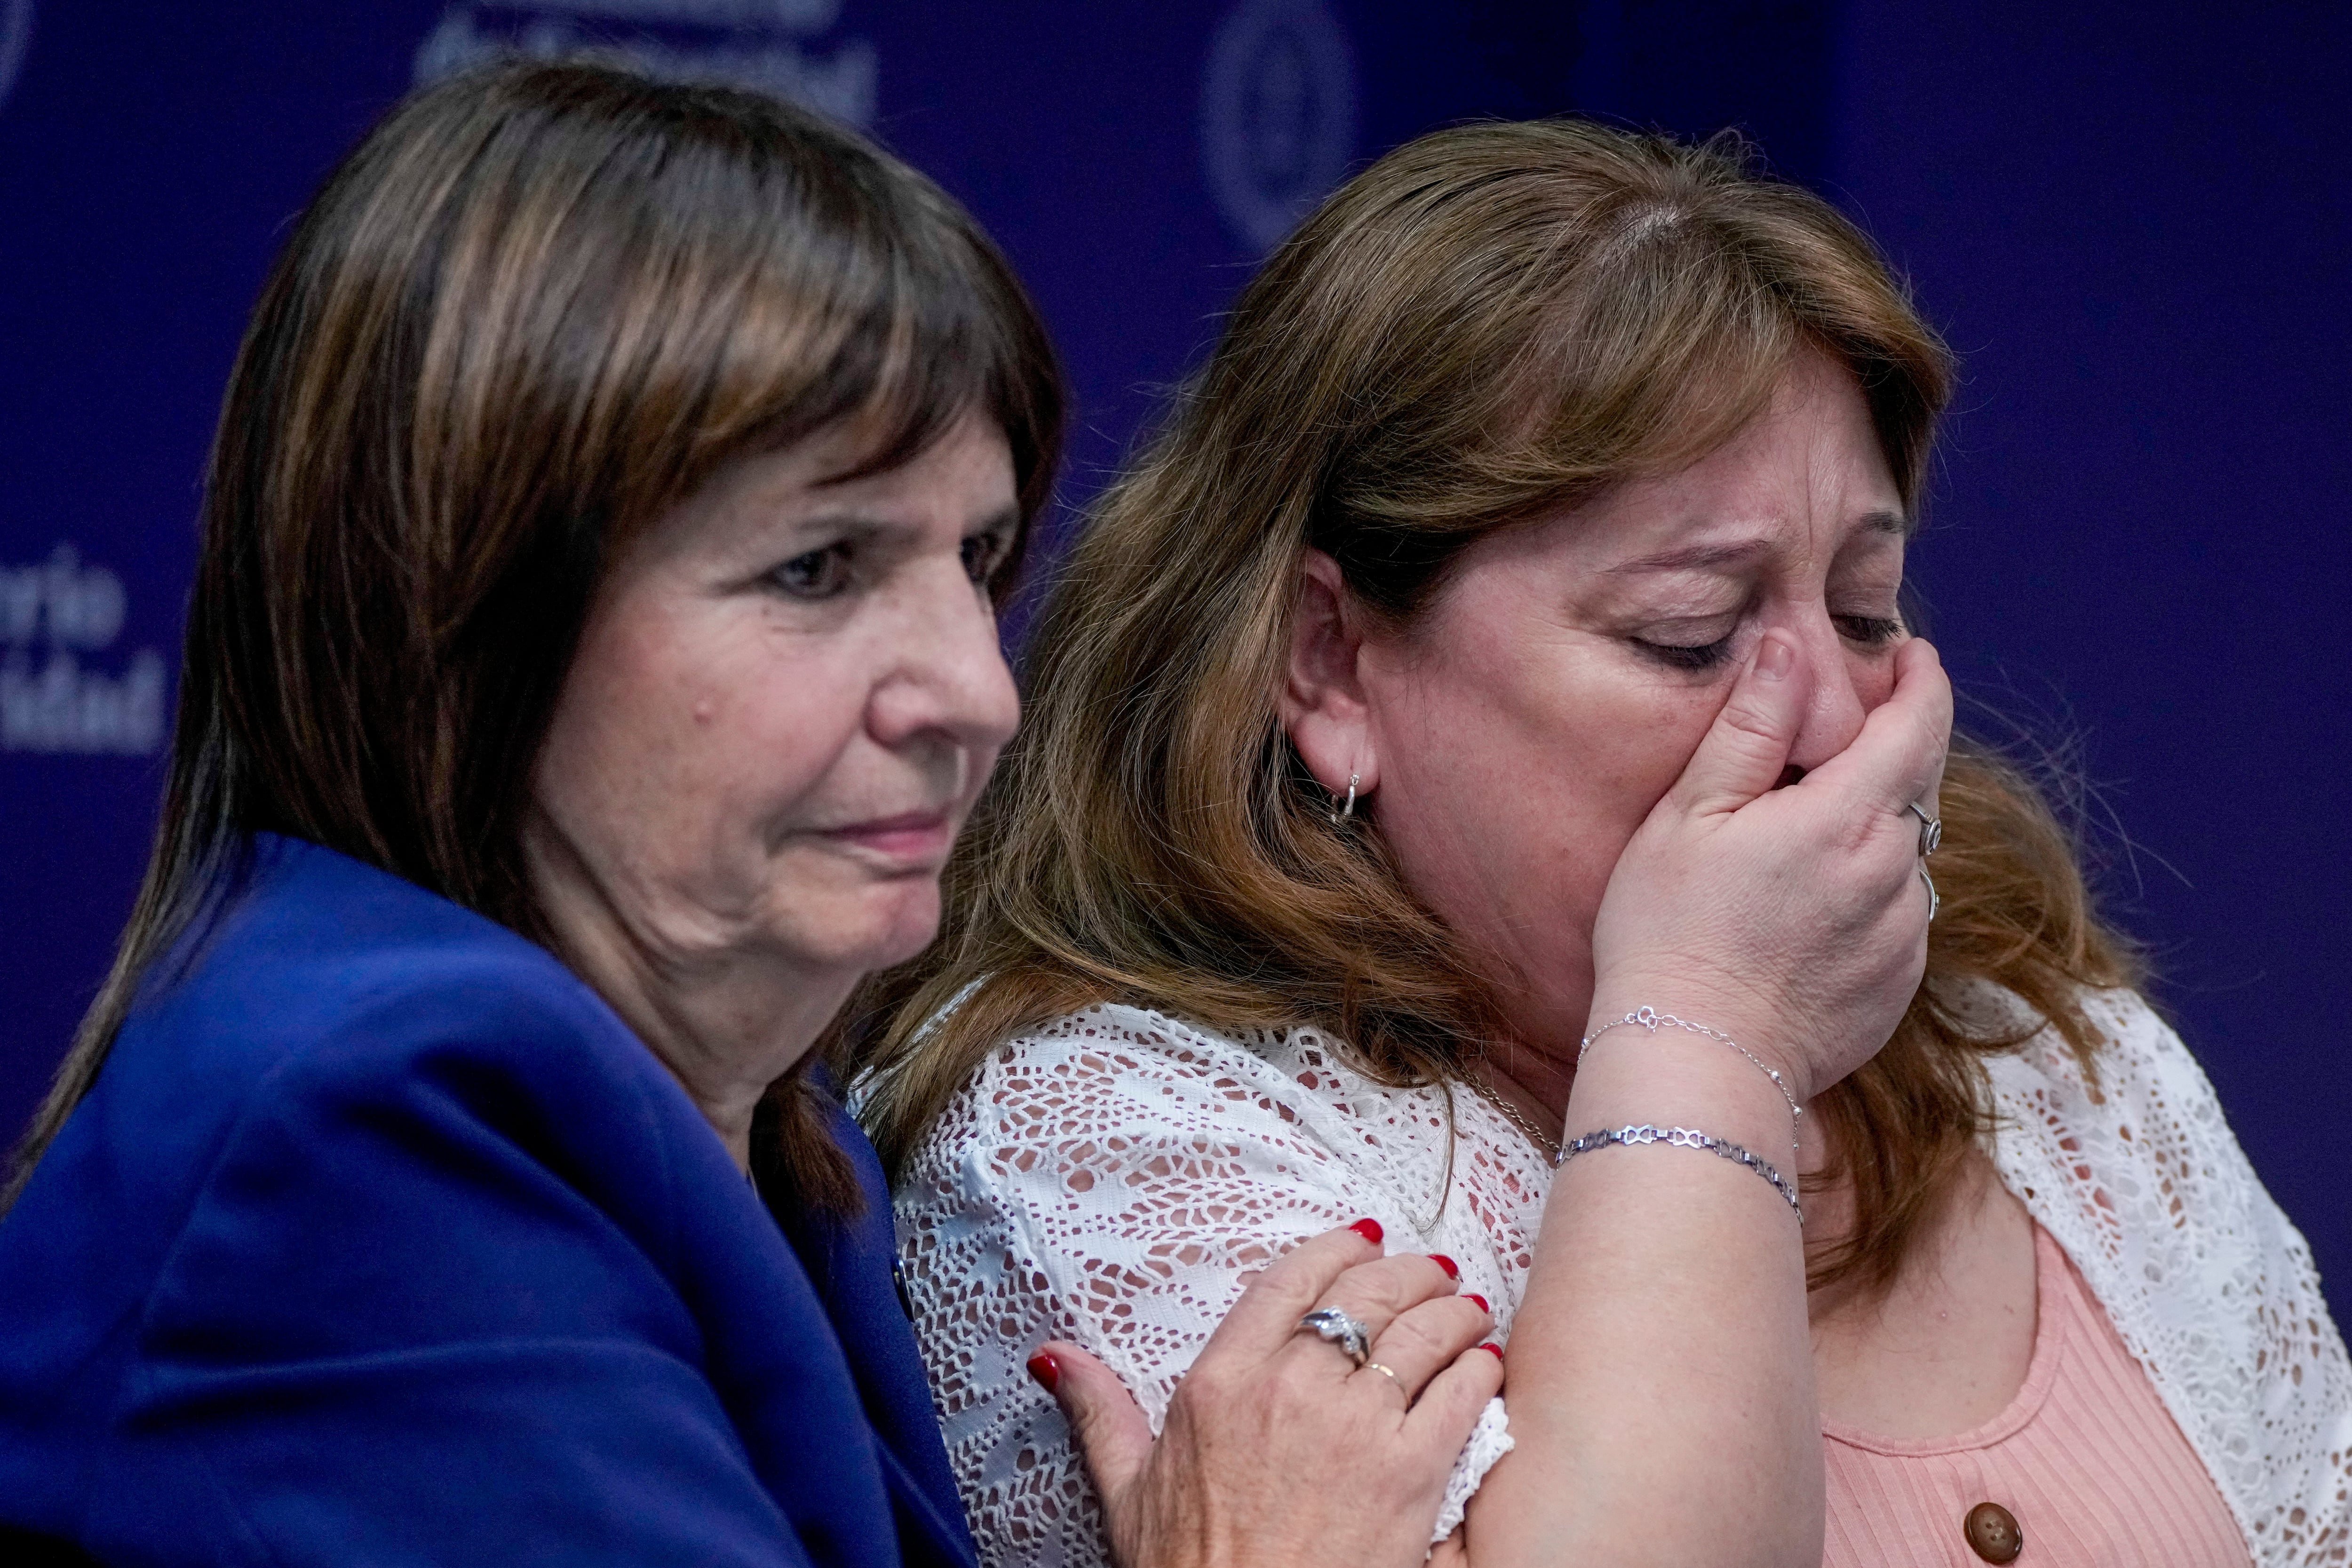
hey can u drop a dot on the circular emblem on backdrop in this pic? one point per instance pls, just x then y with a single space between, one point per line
16 38
1278 115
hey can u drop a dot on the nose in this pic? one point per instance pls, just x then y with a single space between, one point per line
947 680
1834 717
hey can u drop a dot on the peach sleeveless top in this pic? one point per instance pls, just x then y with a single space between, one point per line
2085 1464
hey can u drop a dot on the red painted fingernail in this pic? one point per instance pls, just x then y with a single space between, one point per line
1048 1371
1370 1229
1453 1270
1474 1296
1491 1345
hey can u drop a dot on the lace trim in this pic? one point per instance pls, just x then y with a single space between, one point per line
1107 1178
2208 1284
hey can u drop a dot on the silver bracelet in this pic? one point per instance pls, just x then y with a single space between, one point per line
1682 1138
1650 1018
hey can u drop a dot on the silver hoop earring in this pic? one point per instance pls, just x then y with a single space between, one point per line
1349 810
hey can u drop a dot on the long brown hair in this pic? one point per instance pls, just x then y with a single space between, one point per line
1488 324
534 309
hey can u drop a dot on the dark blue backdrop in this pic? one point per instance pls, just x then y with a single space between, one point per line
2132 221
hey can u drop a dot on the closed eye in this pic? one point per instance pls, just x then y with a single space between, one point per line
1869 630
1687 655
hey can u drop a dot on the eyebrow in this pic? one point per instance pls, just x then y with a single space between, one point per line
853 524
1700 557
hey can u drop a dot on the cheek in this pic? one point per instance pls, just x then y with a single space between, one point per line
682 743
768 718
1513 781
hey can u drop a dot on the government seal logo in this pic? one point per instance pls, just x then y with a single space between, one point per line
1278 115
16 38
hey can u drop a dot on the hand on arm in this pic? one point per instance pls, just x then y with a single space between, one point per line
1278 1452
1181 1165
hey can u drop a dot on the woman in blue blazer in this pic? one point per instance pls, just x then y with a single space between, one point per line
591 660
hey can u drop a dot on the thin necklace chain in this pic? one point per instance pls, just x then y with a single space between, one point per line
1511 1113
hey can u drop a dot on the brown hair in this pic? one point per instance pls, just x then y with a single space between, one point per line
534 309
1490 323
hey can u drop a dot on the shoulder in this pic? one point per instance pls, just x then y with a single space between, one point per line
2089 1146
324 977
1119 1068
1113 1106
384 1091
397 1169
2140 1089
315 944
344 1036
2132 1168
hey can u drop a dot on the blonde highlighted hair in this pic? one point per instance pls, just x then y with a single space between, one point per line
1488 324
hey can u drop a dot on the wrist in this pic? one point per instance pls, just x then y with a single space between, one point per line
1752 1033
1673 1078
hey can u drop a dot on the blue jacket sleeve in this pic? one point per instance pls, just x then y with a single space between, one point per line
458 1290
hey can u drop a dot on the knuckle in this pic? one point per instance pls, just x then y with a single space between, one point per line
1748 716
1292 1291
1291 1280
1416 1338
1201 1384
1415 1283
1929 734
1386 1285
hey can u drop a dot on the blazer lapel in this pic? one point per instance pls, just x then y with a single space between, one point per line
852 1264
948 1538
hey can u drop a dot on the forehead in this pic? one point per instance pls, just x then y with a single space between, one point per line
1808 471
967 466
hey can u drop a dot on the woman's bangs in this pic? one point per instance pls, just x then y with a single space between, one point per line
1597 403
905 346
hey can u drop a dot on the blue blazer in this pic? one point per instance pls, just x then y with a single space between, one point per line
381 1239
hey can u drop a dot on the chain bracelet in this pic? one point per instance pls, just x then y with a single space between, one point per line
1682 1138
1651 1019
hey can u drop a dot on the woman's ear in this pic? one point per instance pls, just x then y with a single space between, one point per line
1322 700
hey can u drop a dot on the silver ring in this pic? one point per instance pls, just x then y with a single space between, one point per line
1931 830
1934 902
1335 1327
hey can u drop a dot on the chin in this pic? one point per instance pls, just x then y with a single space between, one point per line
889 926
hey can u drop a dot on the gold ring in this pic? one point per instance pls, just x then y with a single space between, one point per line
1385 1371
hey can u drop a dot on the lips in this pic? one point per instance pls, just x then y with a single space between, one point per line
911 836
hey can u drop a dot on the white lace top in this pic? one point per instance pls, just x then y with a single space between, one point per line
1107 1178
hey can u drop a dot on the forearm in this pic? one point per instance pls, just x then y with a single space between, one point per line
1660 1374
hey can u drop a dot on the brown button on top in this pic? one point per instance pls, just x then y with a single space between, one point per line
1992 1532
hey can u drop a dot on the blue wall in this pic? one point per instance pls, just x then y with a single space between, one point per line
2132 223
